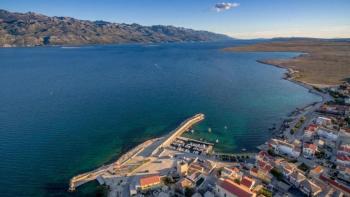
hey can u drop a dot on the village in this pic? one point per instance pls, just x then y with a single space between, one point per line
307 156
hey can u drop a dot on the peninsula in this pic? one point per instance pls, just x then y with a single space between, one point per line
321 62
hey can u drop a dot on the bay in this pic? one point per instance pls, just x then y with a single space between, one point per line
66 110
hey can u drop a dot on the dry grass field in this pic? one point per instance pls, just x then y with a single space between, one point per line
323 63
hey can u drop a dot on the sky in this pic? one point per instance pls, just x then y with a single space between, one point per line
237 18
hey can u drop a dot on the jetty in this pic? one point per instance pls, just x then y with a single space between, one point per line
136 157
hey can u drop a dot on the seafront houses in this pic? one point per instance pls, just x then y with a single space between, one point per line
317 171
341 110
310 131
323 121
229 188
296 178
264 164
149 182
310 188
343 160
344 149
287 168
328 134
309 150
284 148
344 173
233 173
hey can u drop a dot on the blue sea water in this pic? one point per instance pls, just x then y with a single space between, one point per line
68 110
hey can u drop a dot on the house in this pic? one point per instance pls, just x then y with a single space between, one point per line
150 182
344 174
247 182
182 168
309 150
264 163
317 171
310 131
328 134
228 188
185 183
296 178
287 169
344 149
309 188
343 160
233 173
323 121
284 148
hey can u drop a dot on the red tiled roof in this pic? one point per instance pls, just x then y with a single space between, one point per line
255 170
345 148
343 157
310 146
235 189
311 128
246 181
336 184
144 181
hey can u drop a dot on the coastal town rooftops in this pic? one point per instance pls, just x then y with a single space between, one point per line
235 188
312 147
344 158
264 166
247 182
298 176
317 170
311 187
345 148
149 180
288 168
311 128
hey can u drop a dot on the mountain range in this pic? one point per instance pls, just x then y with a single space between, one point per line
32 29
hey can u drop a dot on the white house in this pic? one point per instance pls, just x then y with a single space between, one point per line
323 121
328 134
309 150
310 131
284 148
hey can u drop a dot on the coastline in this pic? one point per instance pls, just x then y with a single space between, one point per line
307 109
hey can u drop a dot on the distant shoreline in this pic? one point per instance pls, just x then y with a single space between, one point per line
321 64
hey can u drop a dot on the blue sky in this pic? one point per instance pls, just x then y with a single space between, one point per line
241 18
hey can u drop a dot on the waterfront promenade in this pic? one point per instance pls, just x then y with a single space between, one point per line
136 157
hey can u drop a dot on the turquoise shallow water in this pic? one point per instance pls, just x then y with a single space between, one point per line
68 110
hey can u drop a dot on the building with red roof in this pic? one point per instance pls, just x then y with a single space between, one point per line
150 182
309 150
247 182
228 188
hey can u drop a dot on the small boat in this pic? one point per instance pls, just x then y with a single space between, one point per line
225 127
209 130
217 140
243 149
192 131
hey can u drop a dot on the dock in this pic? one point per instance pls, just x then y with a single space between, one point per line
145 151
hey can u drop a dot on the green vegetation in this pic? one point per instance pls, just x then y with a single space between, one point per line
265 192
277 174
303 167
320 155
189 192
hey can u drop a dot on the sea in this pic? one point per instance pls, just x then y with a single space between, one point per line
67 110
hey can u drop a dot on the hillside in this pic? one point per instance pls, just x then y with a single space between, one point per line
32 29
323 62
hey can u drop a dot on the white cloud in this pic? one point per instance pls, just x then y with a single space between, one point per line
219 7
